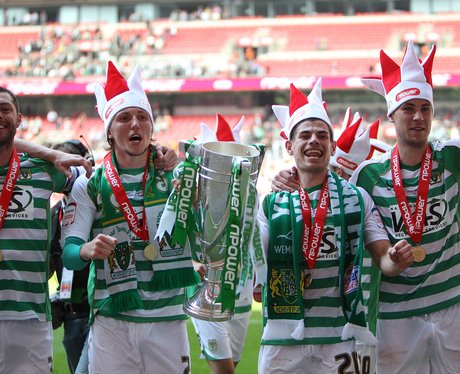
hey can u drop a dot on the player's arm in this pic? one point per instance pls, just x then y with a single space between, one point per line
392 260
62 161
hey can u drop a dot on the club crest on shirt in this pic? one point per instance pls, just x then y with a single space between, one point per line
25 174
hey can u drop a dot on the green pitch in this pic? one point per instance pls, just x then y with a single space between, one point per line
247 365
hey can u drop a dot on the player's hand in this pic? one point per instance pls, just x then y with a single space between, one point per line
401 254
286 180
257 293
200 268
99 248
63 161
166 158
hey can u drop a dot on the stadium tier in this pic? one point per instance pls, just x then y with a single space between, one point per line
193 69
243 47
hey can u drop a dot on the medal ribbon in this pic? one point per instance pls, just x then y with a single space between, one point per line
120 195
8 186
414 223
312 234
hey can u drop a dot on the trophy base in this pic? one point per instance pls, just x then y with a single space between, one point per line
203 305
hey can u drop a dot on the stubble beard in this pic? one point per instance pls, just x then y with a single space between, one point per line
132 154
8 139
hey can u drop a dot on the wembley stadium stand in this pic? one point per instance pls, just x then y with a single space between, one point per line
195 68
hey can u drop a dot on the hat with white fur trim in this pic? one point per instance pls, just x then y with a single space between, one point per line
301 108
356 144
411 80
118 94
223 131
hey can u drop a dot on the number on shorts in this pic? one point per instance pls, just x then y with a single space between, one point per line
359 366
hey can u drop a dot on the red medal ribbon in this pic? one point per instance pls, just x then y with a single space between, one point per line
414 223
8 186
311 243
120 195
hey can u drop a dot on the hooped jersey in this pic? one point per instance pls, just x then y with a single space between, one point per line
434 283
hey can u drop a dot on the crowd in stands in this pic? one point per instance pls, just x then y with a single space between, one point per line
264 128
70 52
208 13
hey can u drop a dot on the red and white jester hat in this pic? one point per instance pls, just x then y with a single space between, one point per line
118 94
411 80
301 108
223 131
356 144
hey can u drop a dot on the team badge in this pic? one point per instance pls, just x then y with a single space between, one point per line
121 258
25 174
212 345
282 284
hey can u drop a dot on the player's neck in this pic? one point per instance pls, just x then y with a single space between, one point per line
5 154
308 180
126 161
411 155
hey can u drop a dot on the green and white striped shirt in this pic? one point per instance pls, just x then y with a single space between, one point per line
434 283
88 219
323 303
24 241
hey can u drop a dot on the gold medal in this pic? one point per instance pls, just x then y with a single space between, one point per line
307 280
419 253
150 252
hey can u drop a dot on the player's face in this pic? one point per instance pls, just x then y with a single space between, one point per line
131 132
413 122
10 119
311 145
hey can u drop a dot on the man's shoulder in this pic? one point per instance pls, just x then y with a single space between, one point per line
369 170
452 145
34 169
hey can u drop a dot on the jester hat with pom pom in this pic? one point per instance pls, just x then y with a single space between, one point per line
223 131
301 108
118 94
356 143
411 80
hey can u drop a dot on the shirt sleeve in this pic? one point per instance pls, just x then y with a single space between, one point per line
79 213
263 227
373 225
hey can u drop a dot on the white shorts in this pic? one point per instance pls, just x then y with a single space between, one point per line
339 358
26 346
222 340
127 347
424 344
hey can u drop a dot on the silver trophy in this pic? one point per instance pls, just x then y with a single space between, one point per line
218 159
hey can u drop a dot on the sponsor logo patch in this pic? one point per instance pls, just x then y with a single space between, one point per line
407 92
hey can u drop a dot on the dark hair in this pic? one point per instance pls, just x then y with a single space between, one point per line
294 130
72 146
14 99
